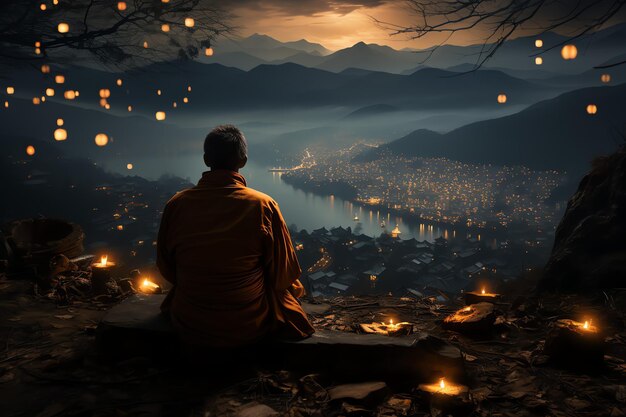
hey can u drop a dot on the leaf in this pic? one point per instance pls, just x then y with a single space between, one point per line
65 316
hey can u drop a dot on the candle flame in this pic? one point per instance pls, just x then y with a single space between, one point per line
483 290
103 261
442 384
586 325
467 309
391 322
149 285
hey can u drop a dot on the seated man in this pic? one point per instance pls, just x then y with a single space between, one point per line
227 251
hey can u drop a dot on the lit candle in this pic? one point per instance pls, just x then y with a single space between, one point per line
578 344
149 287
446 396
101 274
482 296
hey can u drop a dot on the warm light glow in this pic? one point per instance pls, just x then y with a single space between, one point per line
605 78
538 43
165 27
208 51
36 101
442 383
43 7
538 60
37 51
50 92
10 90
45 68
129 166
60 122
468 309
592 109
105 93
174 105
69 95
103 102
59 79
145 44
569 52
119 82
121 6
189 22
6 104
482 291
60 135
101 139
586 325
502 98
30 150
130 108
120 227
63 28
185 100
158 92
107 106
189 88
160 115
149 286
37 44
103 260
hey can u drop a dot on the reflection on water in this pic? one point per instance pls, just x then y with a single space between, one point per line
302 209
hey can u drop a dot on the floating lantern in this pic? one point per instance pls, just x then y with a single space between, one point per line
189 22
10 90
145 44
59 79
37 44
50 92
502 98
160 115
101 139
208 51
107 106
60 122
538 43
130 108
189 88
43 99
37 51
538 60
158 92
185 100
30 150
101 274
120 227
43 7
165 1
36 101
605 78
63 28
569 52
103 102
45 69
592 109
121 6
149 287
6 104
165 27
76 93
129 166
69 95
60 135
174 105
105 93
119 82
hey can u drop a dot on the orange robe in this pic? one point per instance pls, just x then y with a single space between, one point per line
228 252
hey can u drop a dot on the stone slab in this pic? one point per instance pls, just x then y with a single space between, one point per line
136 327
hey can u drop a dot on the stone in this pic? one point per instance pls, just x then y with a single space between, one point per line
476 319
362 391
570 346
136 327
255 410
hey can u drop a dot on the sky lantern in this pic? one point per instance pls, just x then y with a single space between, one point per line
10 90
592 109
43 99
160 115
69 95
30 150
605 78
208 51
37 44
60 135
189 22
189 88
6 104
569 52
502 98
107 106
103 102
119 82
538 43
60 122
43 7
121 6
37 51
130 108
104 93
174 104
59 79
538 60
45 69
165 27
129 166
63 28
158 92
145 44
101 139
36 101
50 92
185 100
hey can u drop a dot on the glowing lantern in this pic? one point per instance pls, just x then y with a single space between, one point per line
45 69
569 52
105 93
208 51
174 105
189 88
30 150
36 101
145 44
101 139
43 7
107 106
501 98
130 108
55 2
10 90
158 92
189 22
59 79
120 227
605 78
60 122
103 102
165 1
538 43
538 60
121 6
129 166
37 44
37 51
185 100
119 82
6 104
50 92
69 95
63 28
165 27
77 93
60 135
160 115
592 109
